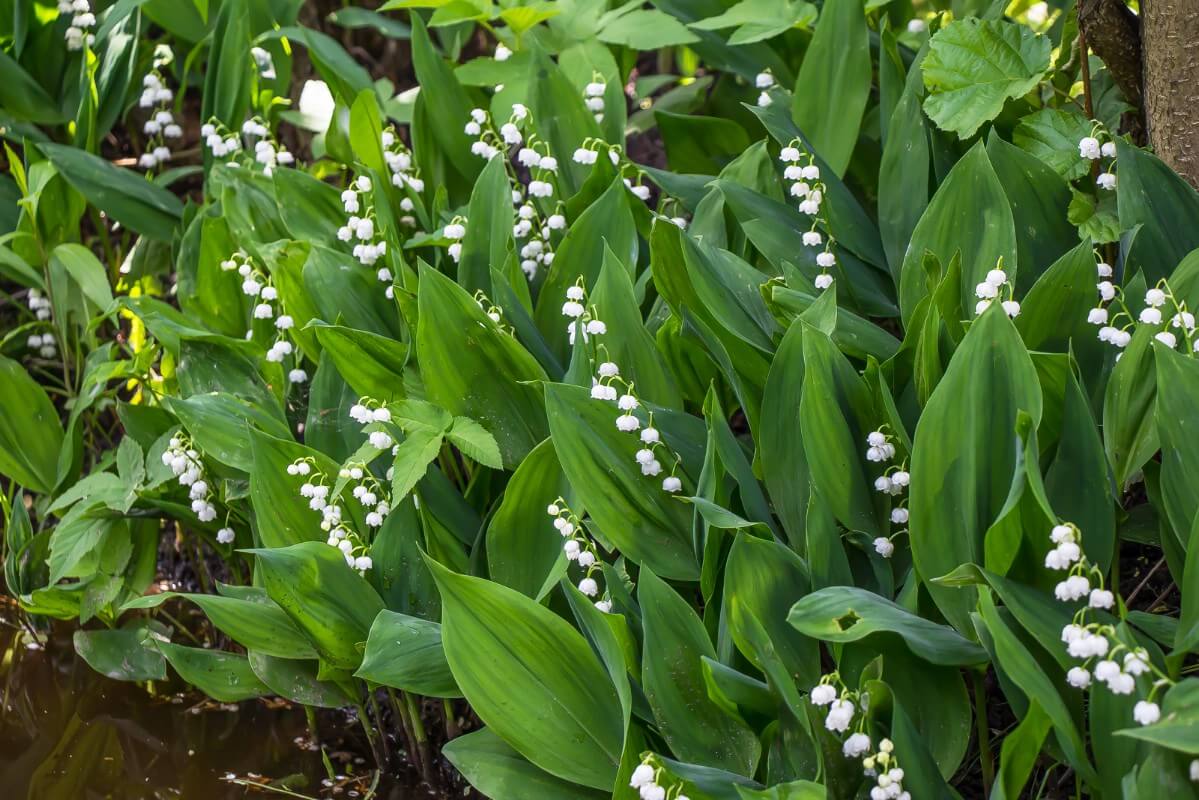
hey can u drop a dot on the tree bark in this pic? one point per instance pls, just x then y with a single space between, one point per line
1170 42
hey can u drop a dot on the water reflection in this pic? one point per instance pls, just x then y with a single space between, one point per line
67 732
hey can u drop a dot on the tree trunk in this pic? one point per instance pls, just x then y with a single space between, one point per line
1170 43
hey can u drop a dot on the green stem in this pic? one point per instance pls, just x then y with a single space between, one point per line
984 731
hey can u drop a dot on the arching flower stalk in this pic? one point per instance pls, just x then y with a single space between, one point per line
1095 642
582 550
804 174
593 96
610 386
894 481
185 462
160 128
1100 147
1166 314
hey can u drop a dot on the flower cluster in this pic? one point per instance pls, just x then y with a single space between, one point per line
995 286
883 764
256 284
764 81
580 549
325 499
646 779
82 21
806 184
593 96
161 125
360 226
44 344
538 250
39 304
269 153
1163 312
1097 147
184 461
894 481
404 172
1095 642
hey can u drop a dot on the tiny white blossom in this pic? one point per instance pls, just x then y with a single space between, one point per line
1146 712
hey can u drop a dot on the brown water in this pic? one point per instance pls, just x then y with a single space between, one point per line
68 733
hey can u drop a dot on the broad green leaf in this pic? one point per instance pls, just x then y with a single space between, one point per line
501 773
768 579
474 368
1177 387
784 465
1166 207
255 624
524 551
973 66
848 614
298 681
642 521
969 213
628 343
531 678
22 97
1130 434
903 173
406 653
836 68
836 416
220 425
225 677
473 440
646 30
119 654
87 272
120 193
695 727
489 235
371 364
31 435
963 454
326 599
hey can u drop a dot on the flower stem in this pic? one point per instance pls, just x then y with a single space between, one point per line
985 757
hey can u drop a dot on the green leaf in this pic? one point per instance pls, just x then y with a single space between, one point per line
1099 223
1024 671
633 512
501 773
406 653
225 677
87 272
963 458
30 432
848 614
1052 135
646 30
524 551
969 213
1152 195
475 442
256 624
1177 384
489 235
1130 436
768 579
1178 728
23 97
412 459
220 423
695 727
122 194
836 414
973 66
371 364
325 598
531 678
903 174
473 368
836 68
120 654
